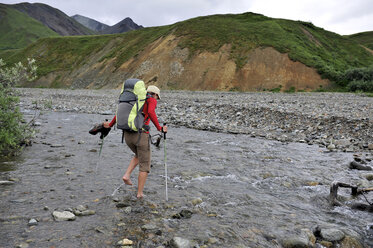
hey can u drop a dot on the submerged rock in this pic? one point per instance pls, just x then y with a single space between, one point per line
296 242
178 242
332 234
358 166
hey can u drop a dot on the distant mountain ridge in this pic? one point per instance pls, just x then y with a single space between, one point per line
90 23
23 23
53 18
123 26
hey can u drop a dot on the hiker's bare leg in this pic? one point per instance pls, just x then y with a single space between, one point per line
141 183
126 177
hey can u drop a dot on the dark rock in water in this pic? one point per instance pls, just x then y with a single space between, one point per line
362 207
122 205
359 160
184 214
357 166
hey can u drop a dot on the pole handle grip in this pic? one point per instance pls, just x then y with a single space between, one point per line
164 134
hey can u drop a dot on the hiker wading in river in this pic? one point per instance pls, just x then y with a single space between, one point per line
141 145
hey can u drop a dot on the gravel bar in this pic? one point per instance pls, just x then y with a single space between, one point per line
337 121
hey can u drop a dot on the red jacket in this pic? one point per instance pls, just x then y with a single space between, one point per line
149 112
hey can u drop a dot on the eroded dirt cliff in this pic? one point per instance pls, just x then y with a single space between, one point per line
165 64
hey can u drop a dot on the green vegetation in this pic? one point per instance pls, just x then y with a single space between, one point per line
13 133
365 39
358 79
19 30
329 53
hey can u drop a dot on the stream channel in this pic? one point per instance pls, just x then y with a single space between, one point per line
239 191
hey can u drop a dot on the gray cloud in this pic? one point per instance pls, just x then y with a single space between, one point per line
341 16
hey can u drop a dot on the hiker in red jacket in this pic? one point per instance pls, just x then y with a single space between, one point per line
141 147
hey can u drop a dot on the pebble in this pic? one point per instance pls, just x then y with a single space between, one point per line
33 222
148 227
6 182
196 201
125 242
63 216
56 145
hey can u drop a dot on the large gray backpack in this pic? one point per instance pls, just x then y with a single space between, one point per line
131 103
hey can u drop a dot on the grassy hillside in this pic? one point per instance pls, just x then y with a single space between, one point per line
328 52
19 30
365 38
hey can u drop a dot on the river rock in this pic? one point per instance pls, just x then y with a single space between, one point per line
84 213
332 234
183 214
331 147
358 166
350 242
6 182
56 145
22 245
148 227
178 242
125 242
33 222
296 242
370 146
196 201
64 215
369 177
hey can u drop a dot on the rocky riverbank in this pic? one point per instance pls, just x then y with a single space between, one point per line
338 121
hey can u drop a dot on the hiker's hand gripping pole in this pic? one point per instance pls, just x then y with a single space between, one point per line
165 158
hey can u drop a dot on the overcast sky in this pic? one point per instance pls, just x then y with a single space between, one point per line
340 16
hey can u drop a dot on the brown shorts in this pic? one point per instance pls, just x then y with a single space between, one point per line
141 148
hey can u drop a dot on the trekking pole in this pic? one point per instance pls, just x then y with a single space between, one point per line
165 162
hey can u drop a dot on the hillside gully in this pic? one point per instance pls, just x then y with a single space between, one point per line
244 170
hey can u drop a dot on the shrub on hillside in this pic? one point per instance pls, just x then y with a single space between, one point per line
356 76
12 130
365 86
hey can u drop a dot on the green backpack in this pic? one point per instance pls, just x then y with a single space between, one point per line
131 103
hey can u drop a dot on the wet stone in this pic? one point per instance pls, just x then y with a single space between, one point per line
56 145
296 242
332 234
178 242
183 214
196 201
122 205
148 227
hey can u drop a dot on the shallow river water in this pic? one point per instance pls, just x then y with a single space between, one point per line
242 191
